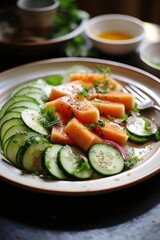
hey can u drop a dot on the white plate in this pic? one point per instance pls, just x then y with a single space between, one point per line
127 74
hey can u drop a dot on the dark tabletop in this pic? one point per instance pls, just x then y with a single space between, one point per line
131 213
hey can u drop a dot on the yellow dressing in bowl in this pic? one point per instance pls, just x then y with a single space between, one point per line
114 35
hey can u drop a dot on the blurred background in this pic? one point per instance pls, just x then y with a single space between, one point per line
148 11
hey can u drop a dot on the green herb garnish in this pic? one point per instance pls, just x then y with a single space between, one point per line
104 70
100 123
147 124
85 91
48 117
130 163
136 110
101 88
82 164
54 80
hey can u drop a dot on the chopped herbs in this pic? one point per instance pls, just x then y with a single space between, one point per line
82 164
101 88
136 110
85 91
48 117
100 123
104 70
147 124
131 162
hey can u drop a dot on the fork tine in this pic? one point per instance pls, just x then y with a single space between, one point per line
143 101
139 99
139 92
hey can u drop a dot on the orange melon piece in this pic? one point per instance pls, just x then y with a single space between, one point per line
114 132
80 134
106 108
70 88
58 135
65 89
119 97
75 106
92 77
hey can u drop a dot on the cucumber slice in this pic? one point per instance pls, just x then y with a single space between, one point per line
26 104
34 92
9 123
30 85
14 143
137 131
13 100
12 131
31 119
32 154
105 159
26 89
9 115
16 109
18 157
74 162
50 161
37 96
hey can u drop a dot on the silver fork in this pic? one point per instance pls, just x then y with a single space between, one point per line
142 100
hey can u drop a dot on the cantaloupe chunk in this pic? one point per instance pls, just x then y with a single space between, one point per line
106 108
65 89
92 77
71 88
81 135
119 97
114 132
75 106
58 135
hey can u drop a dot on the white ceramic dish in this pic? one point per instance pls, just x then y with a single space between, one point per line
115 23
124 73
150 56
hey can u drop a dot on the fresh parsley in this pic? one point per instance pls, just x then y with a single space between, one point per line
131 162
104 70
101 88
48 117
82 164
85 91
100 123
136 110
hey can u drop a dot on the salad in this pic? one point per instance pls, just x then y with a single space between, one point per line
76 126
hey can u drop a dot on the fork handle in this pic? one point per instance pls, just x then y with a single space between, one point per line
156 107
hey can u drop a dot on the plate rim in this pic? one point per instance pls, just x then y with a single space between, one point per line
47 42
78 188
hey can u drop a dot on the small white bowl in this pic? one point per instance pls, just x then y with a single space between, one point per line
150 57
115 23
